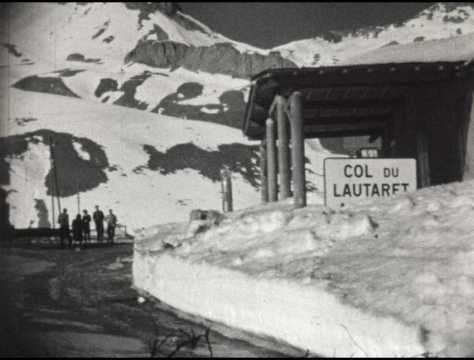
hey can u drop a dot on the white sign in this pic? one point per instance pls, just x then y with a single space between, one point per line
351 180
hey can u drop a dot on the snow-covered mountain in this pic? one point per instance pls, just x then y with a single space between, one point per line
442 20
181 90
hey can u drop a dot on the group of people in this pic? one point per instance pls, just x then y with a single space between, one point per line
81 229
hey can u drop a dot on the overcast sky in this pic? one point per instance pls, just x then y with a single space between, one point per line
268 24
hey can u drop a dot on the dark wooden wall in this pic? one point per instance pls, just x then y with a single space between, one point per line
431 125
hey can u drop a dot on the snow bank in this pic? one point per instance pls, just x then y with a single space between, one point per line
393 277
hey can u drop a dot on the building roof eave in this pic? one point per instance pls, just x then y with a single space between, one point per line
398 74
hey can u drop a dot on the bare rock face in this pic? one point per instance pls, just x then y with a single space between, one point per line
167 8
219 58
157 54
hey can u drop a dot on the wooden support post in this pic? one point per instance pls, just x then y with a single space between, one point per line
283 148
297 149
271 160
263 172
226 189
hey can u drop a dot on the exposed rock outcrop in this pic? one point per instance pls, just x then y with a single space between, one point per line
49 85
167 8
220 58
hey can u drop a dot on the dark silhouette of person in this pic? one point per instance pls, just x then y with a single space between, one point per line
63 220
77 229
111 224
98 216
86 225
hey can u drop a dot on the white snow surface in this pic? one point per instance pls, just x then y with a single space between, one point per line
392 277
459 48
437 22
139 200
51 32
48 33
122 132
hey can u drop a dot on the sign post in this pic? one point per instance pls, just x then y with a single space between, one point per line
348 181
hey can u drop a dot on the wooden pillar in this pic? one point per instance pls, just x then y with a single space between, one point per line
297 149
411 148
226 189
263 172
467 113
271 160
283 148
423 157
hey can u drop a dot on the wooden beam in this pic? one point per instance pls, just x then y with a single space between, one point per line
342 126
346 111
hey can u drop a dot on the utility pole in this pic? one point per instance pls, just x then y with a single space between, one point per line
78 197
52 144
53 215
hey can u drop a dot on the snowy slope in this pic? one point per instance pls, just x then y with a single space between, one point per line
439 21
392 277
79 112
176 172
150 168
459 48
63 49
102 31
141 196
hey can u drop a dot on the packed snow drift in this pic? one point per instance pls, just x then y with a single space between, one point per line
392 277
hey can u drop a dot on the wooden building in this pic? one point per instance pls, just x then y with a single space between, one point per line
419 109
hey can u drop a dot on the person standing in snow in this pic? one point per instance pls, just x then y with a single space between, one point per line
99 223
63 220
77 229
111 224
86 225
